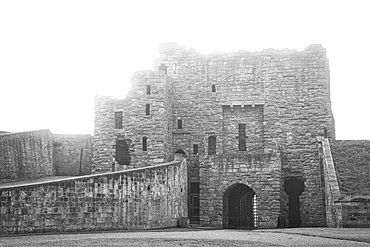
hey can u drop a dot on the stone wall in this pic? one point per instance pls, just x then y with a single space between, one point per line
332 192
352 165
281 96
356 213
26 155
72 154
260 172
136 123
142 198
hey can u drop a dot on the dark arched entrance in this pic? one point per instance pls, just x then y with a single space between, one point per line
238 207
294 187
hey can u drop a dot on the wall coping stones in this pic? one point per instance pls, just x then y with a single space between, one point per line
58 180
24 132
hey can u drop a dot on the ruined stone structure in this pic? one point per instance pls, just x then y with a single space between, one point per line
248 124
240 140
37 154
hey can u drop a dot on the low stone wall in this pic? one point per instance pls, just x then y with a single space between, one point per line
72 154
332 192
142 198
356 213
26 155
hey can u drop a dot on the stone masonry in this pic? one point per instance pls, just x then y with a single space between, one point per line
261 112
26 155
72 154
142 198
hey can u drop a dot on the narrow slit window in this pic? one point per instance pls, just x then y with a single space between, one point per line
195 149
179 123
242 138
148 89
118 117
145 143
211 145
213 88
147 109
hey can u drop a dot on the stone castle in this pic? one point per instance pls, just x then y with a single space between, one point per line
249 125
225 140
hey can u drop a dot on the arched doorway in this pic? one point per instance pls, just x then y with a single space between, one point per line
238 207
294 188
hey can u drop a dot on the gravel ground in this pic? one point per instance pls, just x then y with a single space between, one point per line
188 237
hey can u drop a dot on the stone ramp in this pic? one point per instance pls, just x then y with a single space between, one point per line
30 182
140 198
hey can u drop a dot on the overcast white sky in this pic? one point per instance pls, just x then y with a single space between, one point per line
55 56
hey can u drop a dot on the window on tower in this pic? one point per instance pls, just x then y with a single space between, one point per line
148 89
122 152
242 138
118 117
147 109
145 143
211 145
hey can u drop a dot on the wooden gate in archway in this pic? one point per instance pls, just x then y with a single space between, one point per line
238 207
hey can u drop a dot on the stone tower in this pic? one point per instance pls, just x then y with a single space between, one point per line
248 124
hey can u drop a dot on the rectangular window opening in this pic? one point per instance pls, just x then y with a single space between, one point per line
147 109
213 88
145 143
122 152
148 89
179 123
242 138
118 118
195 149
211 145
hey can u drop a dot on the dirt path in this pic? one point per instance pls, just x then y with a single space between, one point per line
176 237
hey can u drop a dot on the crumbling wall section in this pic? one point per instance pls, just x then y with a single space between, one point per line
355 212
72 154
26 155
146 113
104 133
143 198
